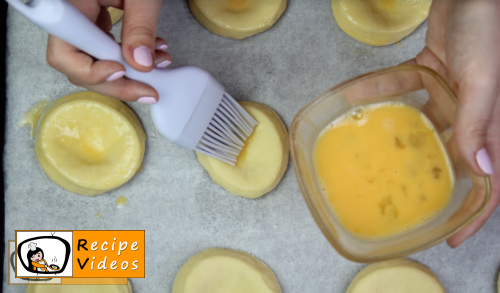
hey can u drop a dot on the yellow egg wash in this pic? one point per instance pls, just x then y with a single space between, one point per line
121 202
32 116
383 169
237 5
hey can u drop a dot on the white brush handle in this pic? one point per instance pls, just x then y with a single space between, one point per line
180 89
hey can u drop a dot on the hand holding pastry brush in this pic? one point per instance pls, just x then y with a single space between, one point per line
193 111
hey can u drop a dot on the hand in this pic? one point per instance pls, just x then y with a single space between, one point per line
462 45
140 47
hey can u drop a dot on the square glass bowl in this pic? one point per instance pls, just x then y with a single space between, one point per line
421 88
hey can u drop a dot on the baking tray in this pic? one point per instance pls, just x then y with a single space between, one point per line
174 200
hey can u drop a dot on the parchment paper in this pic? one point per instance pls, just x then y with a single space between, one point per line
173 198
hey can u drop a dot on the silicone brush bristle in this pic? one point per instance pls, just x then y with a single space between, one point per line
227 132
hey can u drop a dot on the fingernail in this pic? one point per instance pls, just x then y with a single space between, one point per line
162 47
163 64
484 161
115 76
146 100
142 55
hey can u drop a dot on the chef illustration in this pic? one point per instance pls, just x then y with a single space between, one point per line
35 259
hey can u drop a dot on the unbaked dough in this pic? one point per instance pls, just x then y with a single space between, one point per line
262 162
380 22
89 144
218 270
237 19
115 13
396 276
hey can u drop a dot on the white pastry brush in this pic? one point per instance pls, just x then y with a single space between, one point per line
193 112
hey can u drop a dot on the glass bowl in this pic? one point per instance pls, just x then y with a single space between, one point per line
421 88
